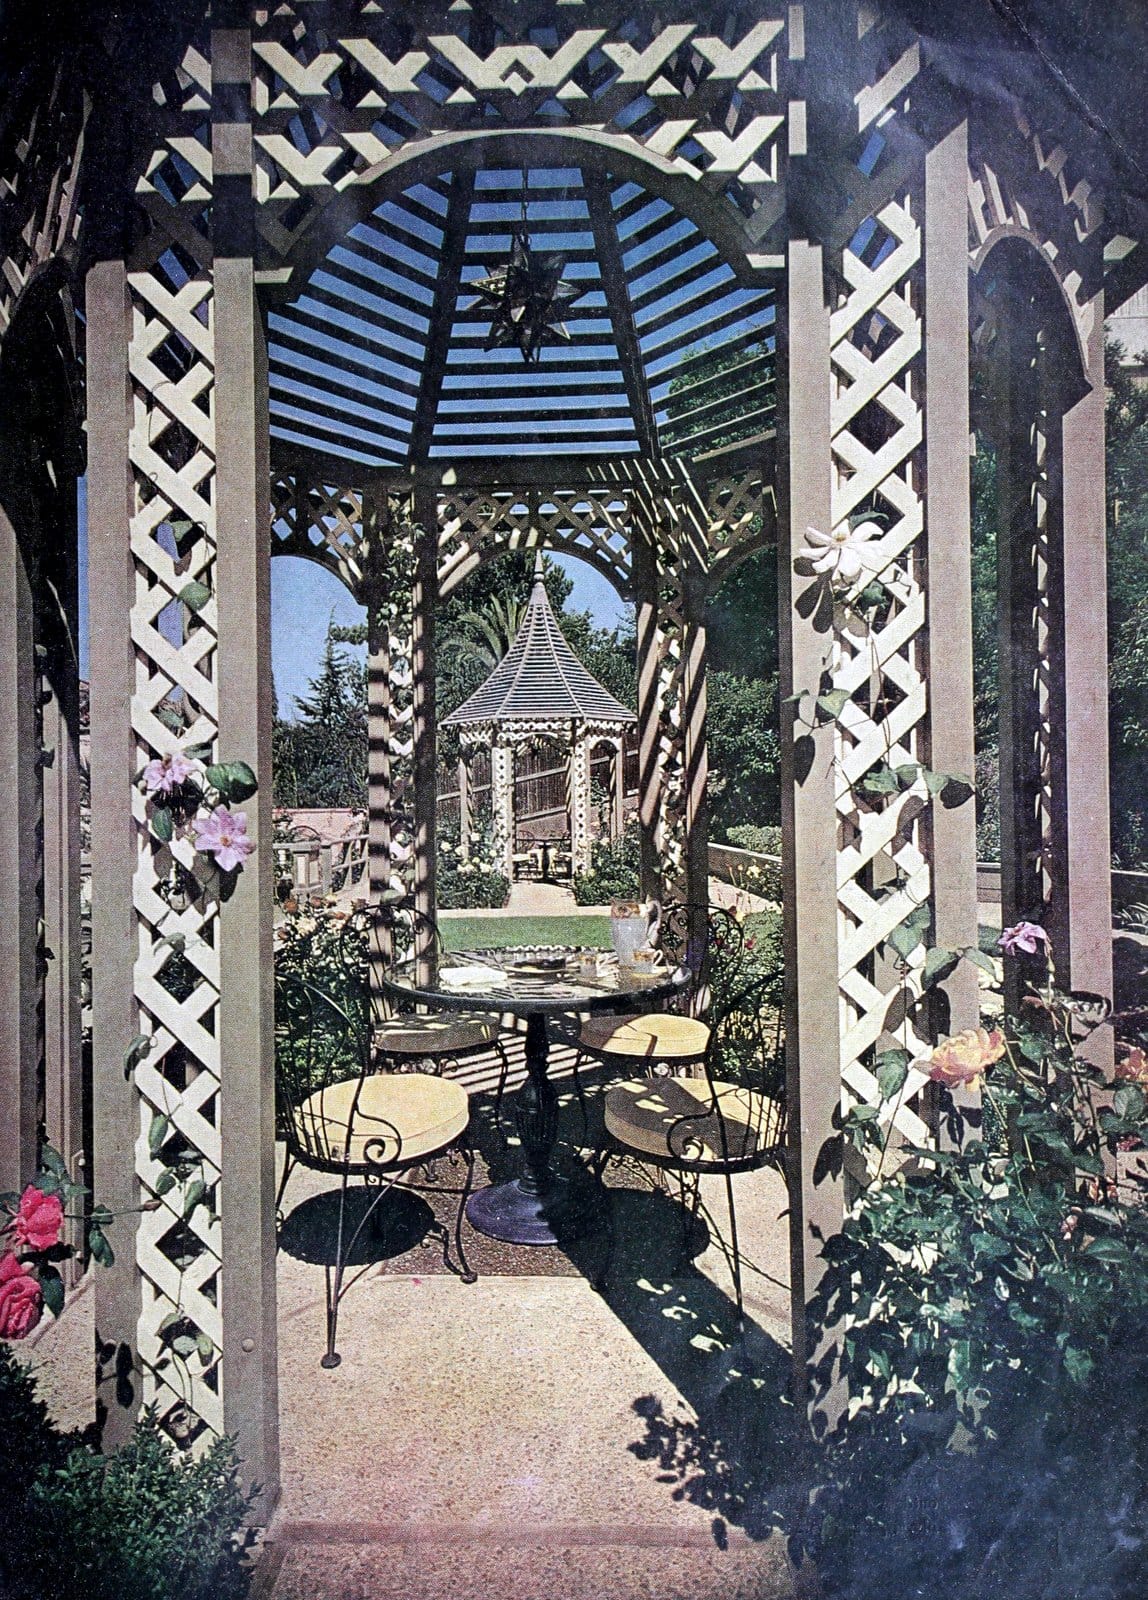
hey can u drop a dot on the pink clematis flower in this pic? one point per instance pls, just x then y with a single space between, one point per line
223 834
960 1061
38 1220
1024 938
168 773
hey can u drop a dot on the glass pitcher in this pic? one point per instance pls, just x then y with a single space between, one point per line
633 926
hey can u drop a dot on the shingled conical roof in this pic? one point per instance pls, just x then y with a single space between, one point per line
539 677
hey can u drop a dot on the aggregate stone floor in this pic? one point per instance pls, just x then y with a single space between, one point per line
524 1437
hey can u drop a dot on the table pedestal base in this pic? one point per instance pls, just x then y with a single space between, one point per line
510 1213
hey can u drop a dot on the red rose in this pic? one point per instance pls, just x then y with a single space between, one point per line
20 1299
38 1220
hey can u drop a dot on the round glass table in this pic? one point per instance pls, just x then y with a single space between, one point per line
537 983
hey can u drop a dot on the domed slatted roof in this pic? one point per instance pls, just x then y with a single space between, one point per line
380 359
540 677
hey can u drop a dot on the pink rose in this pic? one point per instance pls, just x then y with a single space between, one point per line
38 1220
166 774
21 1299
223 834
1134 1067
958 1062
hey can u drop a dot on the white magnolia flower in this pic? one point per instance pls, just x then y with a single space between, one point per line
845 554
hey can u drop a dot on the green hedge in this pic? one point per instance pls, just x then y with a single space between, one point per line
144 1524
766 841
457 890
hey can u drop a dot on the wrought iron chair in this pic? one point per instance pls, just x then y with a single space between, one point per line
710 942
338 1113
728 1120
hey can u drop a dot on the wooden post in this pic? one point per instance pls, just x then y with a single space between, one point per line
423 603
502 808
19 866
809 818
948 526
113 764
380 799
247 1020
1086 962
649 704
463 808
580 800
695 754
618 797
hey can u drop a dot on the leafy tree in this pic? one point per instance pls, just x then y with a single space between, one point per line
1127 495
321 757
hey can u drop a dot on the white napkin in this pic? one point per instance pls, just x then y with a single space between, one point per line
468 977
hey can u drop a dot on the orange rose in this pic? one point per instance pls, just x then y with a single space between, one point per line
960 1061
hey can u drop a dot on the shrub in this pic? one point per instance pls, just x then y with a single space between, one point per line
988 1306
615 871
145 1524
464 888
765 841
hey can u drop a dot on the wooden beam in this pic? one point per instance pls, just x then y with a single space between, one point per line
809 816
115 759
424 602
620 308
19 857
1088 956
948 514
243 669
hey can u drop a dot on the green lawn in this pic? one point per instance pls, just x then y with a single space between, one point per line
477 932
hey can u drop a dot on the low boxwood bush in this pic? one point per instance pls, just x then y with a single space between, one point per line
615 871
459 889
144 1524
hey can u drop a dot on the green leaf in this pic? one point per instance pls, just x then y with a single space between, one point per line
193 1195
1078 1363
101 1250
52 1288
101 1217
165 1182
980 958
54 1162
880 781
1129 1101
184 1344
242 782
197 752
939 963
135 1052
892 1070
162 825
907 775
157 1132
796 699
907 936
205 1347
219 777
833 702
863 1114
175 941
1107 1249
169 1321
194 595
934 781
171 720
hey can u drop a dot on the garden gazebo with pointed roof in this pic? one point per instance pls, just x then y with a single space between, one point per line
274 218
540 692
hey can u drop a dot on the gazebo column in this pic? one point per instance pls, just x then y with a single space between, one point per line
809 815
243 565
424 601
114 848
695 752
618 798
1085 961
580 801
948 526
645 572
463 808
502 806
380 705
19 866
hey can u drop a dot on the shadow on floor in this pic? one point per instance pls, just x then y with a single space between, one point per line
730 1445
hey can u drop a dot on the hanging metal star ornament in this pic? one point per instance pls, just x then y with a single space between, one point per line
526 297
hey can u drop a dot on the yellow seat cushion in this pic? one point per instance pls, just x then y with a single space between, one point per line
658 1036
434 1033
647 1115
399 1117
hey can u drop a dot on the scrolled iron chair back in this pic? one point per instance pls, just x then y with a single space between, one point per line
320 1041
745 1050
